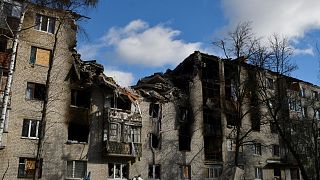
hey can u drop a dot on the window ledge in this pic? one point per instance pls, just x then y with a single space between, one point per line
75 142
44 31
31 138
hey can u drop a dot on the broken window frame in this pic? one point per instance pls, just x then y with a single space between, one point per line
26 168
154 110
258 174
154 172
315 95
270 83
276 150
214 171
231 145
78 99
257 150
121 168
33 91
184 172
30 132
295 105
73 126
45 23
131 133
276 173
153 144
76 169
35 59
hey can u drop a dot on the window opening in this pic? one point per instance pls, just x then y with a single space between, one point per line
35 91
154 141
276 150
31 128
154 110
184 172
27 167
214 172
76 169
80 98
45 23
258 173
78 132
257 148
118 171
154 172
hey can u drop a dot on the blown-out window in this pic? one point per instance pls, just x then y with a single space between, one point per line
35 91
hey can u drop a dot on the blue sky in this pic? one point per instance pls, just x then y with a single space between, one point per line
135 38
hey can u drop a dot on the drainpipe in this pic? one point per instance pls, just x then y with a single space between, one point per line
10 74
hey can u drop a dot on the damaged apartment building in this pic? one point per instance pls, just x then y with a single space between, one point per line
189 118
92 126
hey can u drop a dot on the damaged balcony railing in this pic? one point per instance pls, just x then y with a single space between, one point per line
122 133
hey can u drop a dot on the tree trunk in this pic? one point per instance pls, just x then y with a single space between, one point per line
45 107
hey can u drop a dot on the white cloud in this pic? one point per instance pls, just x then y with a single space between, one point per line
306 51
137 43
124 79
291 18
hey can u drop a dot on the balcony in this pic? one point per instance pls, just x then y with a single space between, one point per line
122 133
123 149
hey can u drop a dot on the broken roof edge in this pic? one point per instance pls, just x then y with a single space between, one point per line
96 71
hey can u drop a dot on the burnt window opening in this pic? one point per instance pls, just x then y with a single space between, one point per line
255 120
154 171
210 70
276 150
212 148
184 143
154 110
78 132
277 173
184 138
121 102
184 115
212 124
3 44
154 141
80 98
273 127
232 119
35 91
